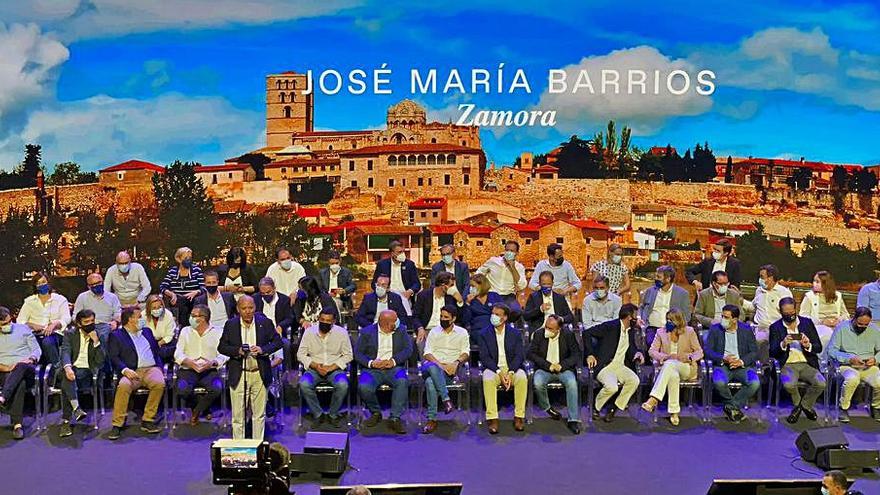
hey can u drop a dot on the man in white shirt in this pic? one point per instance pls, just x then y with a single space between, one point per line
767 297
565 279
128 280
446 348
507 276
325 352
199 361
286 273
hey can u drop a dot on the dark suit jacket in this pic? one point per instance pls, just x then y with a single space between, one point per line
248 276
367 347
123 353
535 317
462 274
778 332
300 304
608 335
366 313
230 343
70 348
513 348
344 279
424 308
747 346
283 312
408 271
228 301
569 351
703 269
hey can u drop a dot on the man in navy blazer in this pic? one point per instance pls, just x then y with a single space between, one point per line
251 370
426 310
210 298
134 354
503 368
402 273
459 269
799 358
732 347
281 314
377 301
382 351
342 277
539 305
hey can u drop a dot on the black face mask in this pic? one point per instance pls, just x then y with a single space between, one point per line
212 289
789 318
858 329
445 323
559 261
324 327
88 328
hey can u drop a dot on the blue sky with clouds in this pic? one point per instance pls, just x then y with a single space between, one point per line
103 81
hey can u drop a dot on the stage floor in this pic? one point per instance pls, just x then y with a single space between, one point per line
622 458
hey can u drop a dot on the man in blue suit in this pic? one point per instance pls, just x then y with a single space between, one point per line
382 351
337 280
401 272
733 349
377 301
502 355
448 263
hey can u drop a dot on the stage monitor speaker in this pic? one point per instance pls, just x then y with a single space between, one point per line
324 452
765 487
395 489
810 442
848 459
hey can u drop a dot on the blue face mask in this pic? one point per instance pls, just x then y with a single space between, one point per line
300 294
495 320
762 283
658 284
124 267
142 322
43 289
97 289
670 327
546 290
187 263
447 259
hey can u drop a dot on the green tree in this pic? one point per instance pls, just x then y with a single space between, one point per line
801 179
67 173
728 170
754 249
576 160
262 234
614 152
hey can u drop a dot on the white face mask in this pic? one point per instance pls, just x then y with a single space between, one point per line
509 255
381 291
495 320
335 268
447 259
716 255
451 290
725 323
616 258
601 293
286 264
474 291
721 289
400 258
157 313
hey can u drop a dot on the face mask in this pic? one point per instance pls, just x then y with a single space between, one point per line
725 323
445 323
324 327
88 328
509 255
286 264
447 259
546 290
142 322
825 491
559 261
187 263
212 289
6 329
300 294
43 289
670 326
721 289
381 291
658 284
397 323
859 329
716 255
789 318
124 268
451 290
97 289
495 320
268 297
474 291
193 321
762 283
335 268
601 293
616 258
157 313
400 258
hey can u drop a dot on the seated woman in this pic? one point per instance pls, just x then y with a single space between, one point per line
309 303
161 322
677 348
824 305
480 302
183 282
237 277
47 314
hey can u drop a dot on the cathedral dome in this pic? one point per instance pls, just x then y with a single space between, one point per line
406 113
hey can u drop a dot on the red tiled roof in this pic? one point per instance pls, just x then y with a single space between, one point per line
326 230
296 162
521 227
135 165
231 206
331 133
452 228
541 221
778 162
226 167
661 150
427 203
312 212
588 224
389 229
412 148
547 168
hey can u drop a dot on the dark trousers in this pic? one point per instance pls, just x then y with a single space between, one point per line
180 310
70 388
188 380
14 385
394 377
748 377
50 345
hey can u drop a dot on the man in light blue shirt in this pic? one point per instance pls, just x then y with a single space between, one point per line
600 305
128 280
855 347
19 352
565 279
869 297
105 305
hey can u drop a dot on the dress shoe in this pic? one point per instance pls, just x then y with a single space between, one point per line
519 424
79 415
18 432
373 420
875 413
430 426
609 416
193 420
448 406
574 427
811 414
66 430
150 427
738 415
336 422
594 414
674 420
844 415
794 416
730 414
397 426
115 433
554 414
493 426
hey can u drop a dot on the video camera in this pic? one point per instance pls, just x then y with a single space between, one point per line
250 466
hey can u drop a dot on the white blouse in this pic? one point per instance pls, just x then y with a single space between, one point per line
163 328
815 306
56 308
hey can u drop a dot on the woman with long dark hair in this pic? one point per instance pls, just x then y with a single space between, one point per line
310 301
236 276
824 305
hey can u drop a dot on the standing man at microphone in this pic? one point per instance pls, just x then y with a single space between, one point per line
248 340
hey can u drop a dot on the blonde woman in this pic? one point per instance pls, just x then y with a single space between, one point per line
182 283
824 305
677 348
161 322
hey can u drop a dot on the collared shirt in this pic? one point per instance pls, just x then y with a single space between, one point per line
386 345
846 343
286 281
333 280
720 266
144 351
380 306
332 348
56 308
107 307
218 310
199 347
731 344
502 352
553 347
622 346
564 275
163 327
767 304
439 302
449 268
500 277
18 345
614 272
548 299
657 318
269 309
82 360
596 311
720 302
795 349
132 287
445 346
397 277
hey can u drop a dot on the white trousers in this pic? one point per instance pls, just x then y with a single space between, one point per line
610 377
257 401
671 374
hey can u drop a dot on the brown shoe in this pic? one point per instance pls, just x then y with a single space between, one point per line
519 424
493 426
193 419
430 426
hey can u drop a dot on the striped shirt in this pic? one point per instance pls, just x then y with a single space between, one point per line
181 285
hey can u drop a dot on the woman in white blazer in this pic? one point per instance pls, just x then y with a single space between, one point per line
824 305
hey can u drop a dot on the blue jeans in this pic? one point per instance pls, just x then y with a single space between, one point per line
312 379
396 378
568 380
70 388
748 377
436 381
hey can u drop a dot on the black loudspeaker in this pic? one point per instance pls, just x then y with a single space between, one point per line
765 487
848 459
811 442
324 453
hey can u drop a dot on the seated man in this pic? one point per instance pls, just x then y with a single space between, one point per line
733 350
199 361
712 299
446 348
556 354
502 354
375 302
324 352
382 351
600 305
221 305
426 310
794 341
277 308
855 347
545 302
82 355
134 354
614 359
19 352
